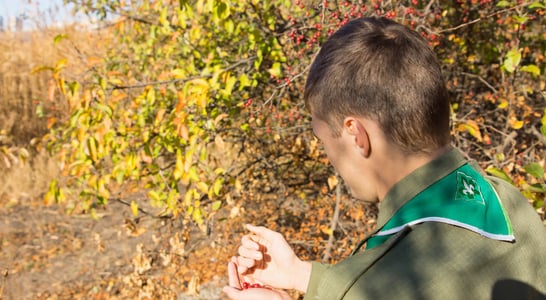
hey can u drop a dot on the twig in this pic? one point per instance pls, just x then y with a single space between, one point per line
139 209
333 224
161 82
145 84
510 139
492 88
3 283
539 135
480 19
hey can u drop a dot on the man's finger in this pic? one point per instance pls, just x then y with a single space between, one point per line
233 275
259 230
247 263
262 233
250 253
250 242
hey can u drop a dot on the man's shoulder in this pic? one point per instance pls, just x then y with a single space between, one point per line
438 260
433 260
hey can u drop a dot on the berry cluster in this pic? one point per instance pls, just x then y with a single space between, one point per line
247 285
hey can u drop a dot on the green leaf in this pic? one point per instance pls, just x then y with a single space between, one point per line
537 5
244 81
503 4
533 69
222 10
499 173
150 96
216 205
230 83
521 19
40 111
534 169
275 70
74 119
105 108
155 196
512 60
536 188
58 38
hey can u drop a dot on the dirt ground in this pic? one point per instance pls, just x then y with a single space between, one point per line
47 254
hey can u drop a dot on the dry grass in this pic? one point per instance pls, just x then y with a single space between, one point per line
25 183
28 99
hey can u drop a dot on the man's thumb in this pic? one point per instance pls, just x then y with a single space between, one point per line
259 230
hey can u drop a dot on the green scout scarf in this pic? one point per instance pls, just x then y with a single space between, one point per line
463 198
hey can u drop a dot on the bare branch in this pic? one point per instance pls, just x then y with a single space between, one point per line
486 17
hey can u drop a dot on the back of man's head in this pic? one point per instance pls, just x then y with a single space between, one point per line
382 70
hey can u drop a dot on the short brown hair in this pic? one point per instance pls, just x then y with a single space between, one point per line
377 68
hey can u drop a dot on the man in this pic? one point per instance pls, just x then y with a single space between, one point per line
444 230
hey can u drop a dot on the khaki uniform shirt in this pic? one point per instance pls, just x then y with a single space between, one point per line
435 260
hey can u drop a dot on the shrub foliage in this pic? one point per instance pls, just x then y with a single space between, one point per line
196 102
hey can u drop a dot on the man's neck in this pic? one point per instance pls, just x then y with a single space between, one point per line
397 165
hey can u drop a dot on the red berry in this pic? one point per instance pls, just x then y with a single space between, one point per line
246 285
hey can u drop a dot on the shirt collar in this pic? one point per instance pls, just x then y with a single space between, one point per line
417 181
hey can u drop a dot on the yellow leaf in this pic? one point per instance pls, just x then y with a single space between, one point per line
332 182
92 147
217 187
134 208
516 124
203 187
102 189
472 58
327 230
178 73
61 64
472 128
93 214
275 70
503 103
179 166
200 82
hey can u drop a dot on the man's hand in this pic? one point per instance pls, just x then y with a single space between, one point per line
266 256
236 291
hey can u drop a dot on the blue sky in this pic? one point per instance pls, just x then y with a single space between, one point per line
52 10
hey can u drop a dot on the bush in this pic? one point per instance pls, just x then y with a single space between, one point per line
198 102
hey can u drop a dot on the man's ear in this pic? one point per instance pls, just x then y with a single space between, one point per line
356 129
